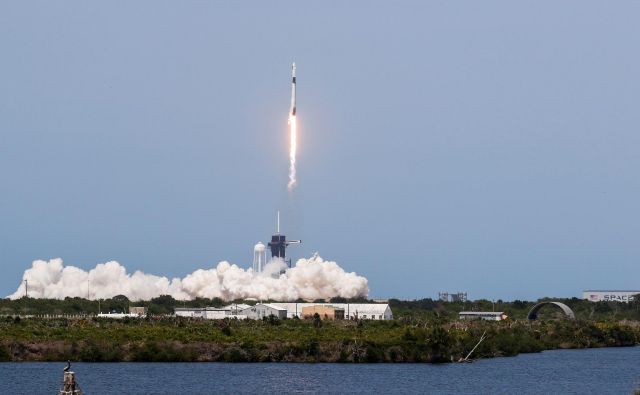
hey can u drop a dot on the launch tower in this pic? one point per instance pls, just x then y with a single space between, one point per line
279 244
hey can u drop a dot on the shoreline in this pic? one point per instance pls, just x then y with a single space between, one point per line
312 362
296 341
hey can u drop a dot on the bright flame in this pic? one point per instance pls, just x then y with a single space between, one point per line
293 145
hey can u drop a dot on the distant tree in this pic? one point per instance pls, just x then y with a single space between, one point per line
217 302
635 303
359 299
225 327
519 304
603 307
200 302
164 300
272 320
120 298
439 343
317 321
163 304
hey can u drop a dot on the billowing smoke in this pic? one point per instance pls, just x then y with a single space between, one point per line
312 278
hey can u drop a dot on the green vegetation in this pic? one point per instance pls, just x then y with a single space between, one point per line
423 331
516 310
417 310
77 306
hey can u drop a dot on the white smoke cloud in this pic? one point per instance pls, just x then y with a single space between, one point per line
312 278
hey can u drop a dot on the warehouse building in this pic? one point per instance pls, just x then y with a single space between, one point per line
364 311
211 313
239 311
190 312
140 311
326 312
482 315
348 311
262 310
134 312
609 296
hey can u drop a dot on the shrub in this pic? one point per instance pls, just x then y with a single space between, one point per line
5 355
317 321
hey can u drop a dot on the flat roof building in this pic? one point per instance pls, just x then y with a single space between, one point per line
211 313
609 296
262 310
191 312
349 311
366 311
482 315
325 311
138 310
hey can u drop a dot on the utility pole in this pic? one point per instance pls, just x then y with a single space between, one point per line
26 289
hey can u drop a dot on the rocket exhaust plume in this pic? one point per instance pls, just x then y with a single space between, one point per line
312 278
293 145
293 138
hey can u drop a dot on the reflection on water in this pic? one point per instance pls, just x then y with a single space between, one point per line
595 371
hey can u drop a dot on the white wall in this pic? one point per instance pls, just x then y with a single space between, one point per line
609 296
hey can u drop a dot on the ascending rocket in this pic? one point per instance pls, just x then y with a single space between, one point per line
292 110
292 131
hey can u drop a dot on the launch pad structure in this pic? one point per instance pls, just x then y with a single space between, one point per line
279 244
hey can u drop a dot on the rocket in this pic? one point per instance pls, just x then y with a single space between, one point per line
292 110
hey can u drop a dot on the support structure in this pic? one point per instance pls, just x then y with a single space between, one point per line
279 243
69 384
533 314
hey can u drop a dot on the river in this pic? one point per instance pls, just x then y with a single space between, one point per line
593 371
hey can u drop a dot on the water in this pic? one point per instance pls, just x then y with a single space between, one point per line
595 371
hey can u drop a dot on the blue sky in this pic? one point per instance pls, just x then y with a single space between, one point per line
487 147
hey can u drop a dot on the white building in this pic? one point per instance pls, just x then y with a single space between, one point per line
191 312
482 315
609 296
134 312
218 313
211 313
365 311
262 310
119 315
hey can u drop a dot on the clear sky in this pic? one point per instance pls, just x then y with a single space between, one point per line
487 147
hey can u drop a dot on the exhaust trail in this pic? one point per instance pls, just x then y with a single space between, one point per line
293 146
293 132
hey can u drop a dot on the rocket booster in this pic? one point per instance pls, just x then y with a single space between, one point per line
292 110
292 132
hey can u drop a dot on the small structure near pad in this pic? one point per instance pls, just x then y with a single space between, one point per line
533 314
